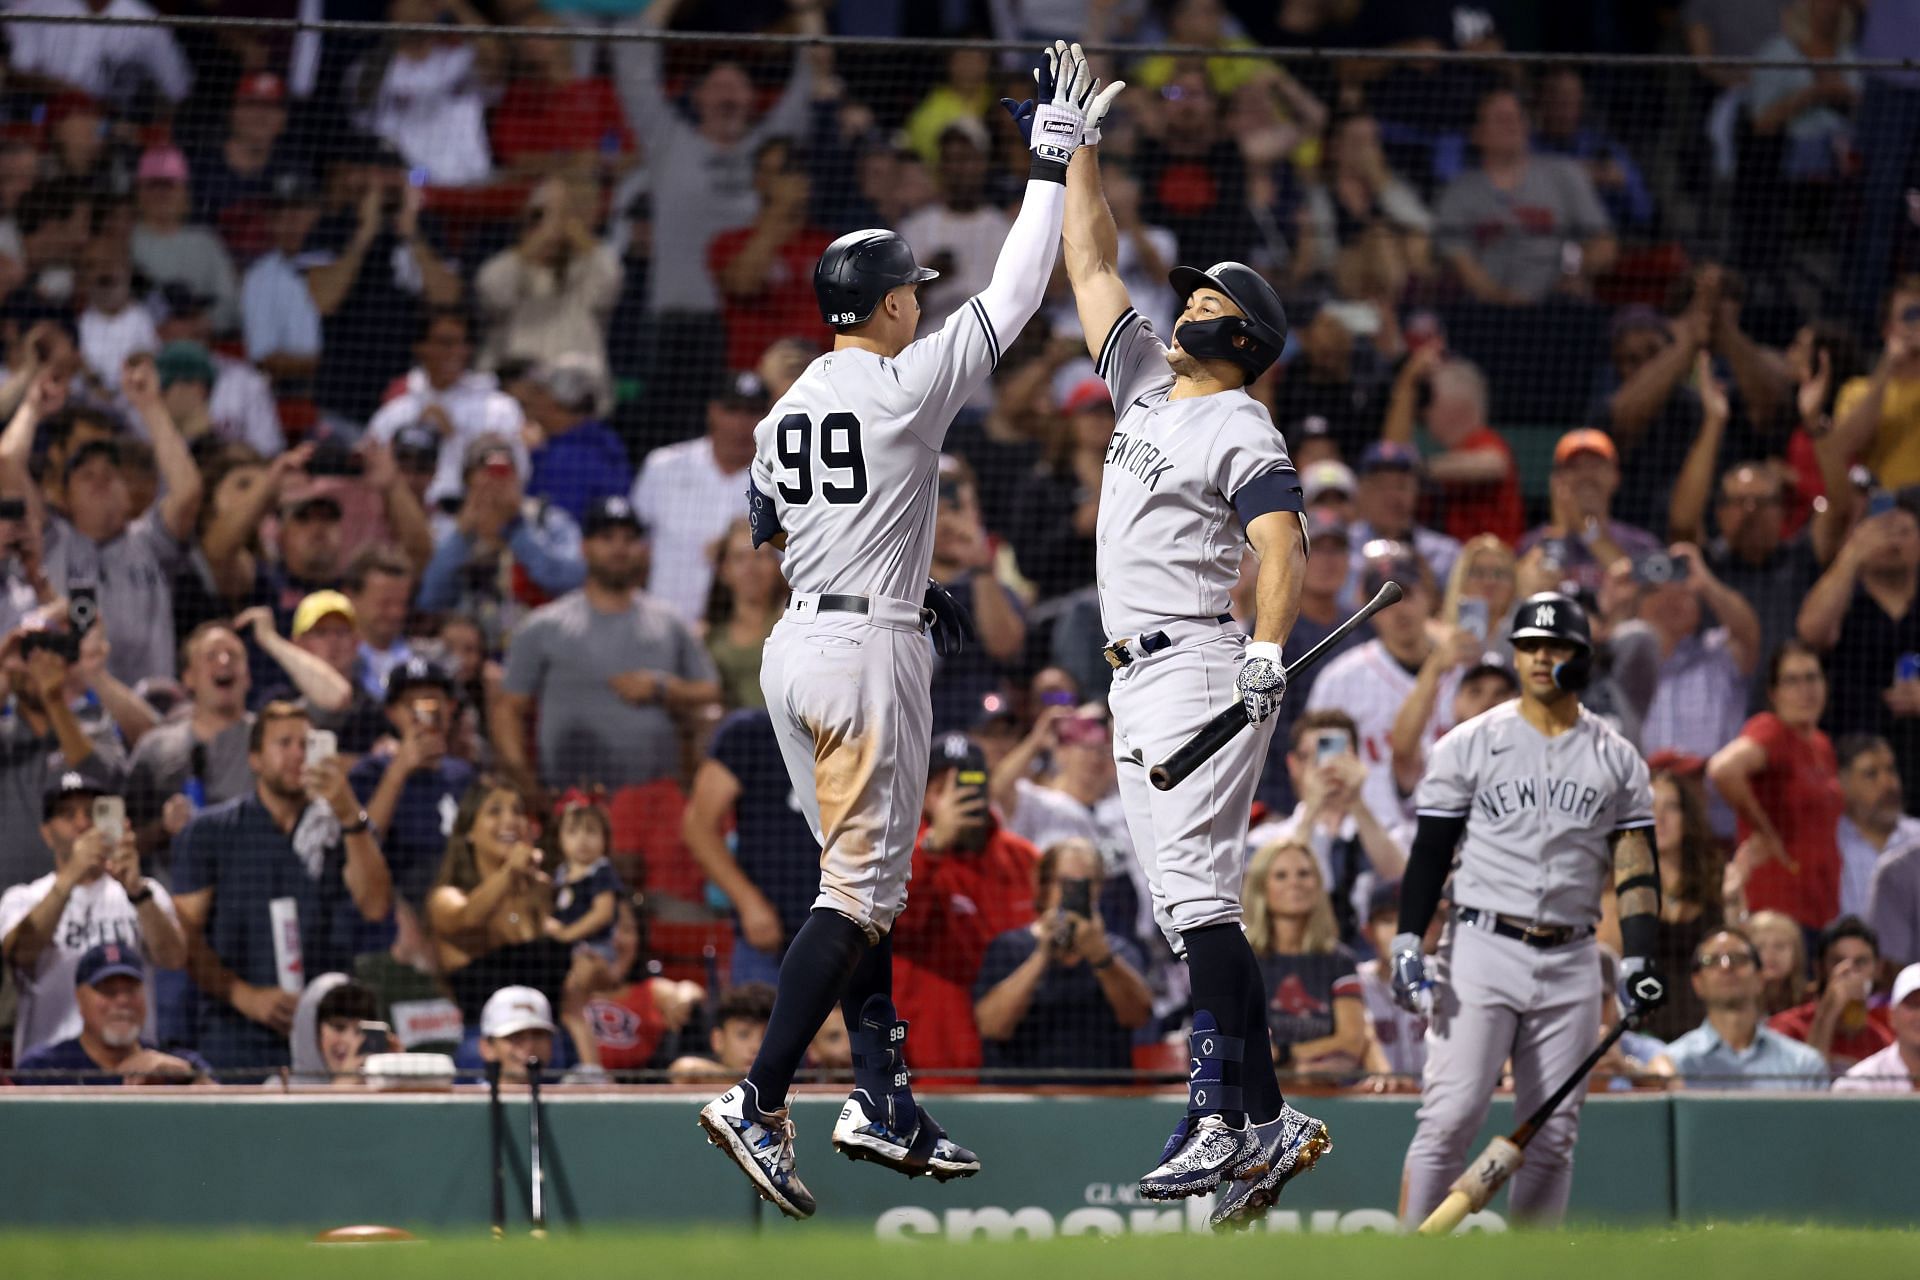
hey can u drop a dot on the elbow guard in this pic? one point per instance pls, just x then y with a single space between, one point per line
761 517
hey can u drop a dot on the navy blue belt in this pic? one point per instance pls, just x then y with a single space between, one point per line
1122 652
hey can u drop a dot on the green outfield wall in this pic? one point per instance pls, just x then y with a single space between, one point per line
1053 1166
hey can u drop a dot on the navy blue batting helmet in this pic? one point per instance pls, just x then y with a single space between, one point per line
858 270
1264 326
1549 615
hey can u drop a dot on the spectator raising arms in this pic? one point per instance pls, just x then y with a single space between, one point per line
1314 1011
551 293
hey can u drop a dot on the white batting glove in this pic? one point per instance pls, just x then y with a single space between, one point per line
1060 118
1097 110
1262 681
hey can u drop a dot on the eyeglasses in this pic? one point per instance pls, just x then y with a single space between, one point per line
1725 960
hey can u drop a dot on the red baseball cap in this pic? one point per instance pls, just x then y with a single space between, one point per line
162 164
261 86
1089 393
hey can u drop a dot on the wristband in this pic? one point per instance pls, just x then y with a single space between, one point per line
357 826
1104 964
143 897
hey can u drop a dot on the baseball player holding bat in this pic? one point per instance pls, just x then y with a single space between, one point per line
1545 803
843 480
1194 473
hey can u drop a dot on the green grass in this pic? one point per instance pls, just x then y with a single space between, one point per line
1738 1252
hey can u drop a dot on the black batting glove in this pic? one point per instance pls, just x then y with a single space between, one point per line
952 624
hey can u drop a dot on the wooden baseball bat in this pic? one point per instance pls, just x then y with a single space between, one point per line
1225 726
1492 1167
497 1132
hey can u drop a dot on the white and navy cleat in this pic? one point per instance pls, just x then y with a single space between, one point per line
865 1132
761 1143
1203 1152
1290 1145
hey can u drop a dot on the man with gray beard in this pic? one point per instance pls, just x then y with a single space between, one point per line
110 988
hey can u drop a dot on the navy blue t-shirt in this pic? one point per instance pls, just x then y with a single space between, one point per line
69 1056
574 469
573 899
1301 990
1069 1025
772 842
239 851
415 842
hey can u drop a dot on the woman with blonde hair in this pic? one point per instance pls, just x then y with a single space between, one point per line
1485 570
1783 960
1315 1012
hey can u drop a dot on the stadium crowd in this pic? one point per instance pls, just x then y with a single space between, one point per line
381 624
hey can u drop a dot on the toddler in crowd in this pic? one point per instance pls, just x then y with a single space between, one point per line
586 894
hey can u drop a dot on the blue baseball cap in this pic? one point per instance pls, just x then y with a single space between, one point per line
106 960
1389 455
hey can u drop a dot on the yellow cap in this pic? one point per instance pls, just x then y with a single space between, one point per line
319 605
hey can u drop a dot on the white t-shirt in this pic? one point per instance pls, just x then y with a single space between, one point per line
475 405
1370 685
106 341
431 109
973 239
1883 1072
688 503
96 912
95 57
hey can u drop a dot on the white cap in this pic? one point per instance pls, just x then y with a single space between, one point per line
512 1009
1324 475
1906 982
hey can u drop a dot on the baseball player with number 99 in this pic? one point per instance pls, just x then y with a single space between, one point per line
1196 473
844 482
1545 803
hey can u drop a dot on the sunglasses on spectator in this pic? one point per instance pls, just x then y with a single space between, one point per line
1725 960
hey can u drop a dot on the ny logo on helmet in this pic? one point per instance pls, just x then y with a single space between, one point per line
1543 616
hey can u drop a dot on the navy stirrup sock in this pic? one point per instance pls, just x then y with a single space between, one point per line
819 960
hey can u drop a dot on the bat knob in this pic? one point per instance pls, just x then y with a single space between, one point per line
1161 777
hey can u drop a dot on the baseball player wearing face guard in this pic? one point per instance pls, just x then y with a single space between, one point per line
1195 473
1545 804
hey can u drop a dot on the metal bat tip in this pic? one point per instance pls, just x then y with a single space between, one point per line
1390 592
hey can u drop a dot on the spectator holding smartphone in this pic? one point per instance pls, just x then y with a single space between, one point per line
412 792
1782 779
1838 1021
110 993
1059 994
973 881
297 849
94 894
1709 648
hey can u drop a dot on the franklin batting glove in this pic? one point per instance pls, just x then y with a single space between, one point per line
1642 990
1412 989
1262 681
952 624
1059 119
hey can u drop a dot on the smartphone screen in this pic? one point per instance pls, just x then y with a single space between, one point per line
110 816
322 744
1473 616
1328 744
1076 897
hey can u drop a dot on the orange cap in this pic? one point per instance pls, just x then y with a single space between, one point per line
1584 440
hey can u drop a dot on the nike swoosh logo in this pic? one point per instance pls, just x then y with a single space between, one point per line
1498 750
1142 402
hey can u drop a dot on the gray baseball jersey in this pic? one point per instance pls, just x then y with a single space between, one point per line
850 454
1540 812
1183 478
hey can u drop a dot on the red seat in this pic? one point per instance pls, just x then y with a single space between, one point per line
681 947
646 825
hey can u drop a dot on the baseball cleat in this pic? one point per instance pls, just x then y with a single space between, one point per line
1203 1152
881 1122
761 1143
1290 1144
864 1132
